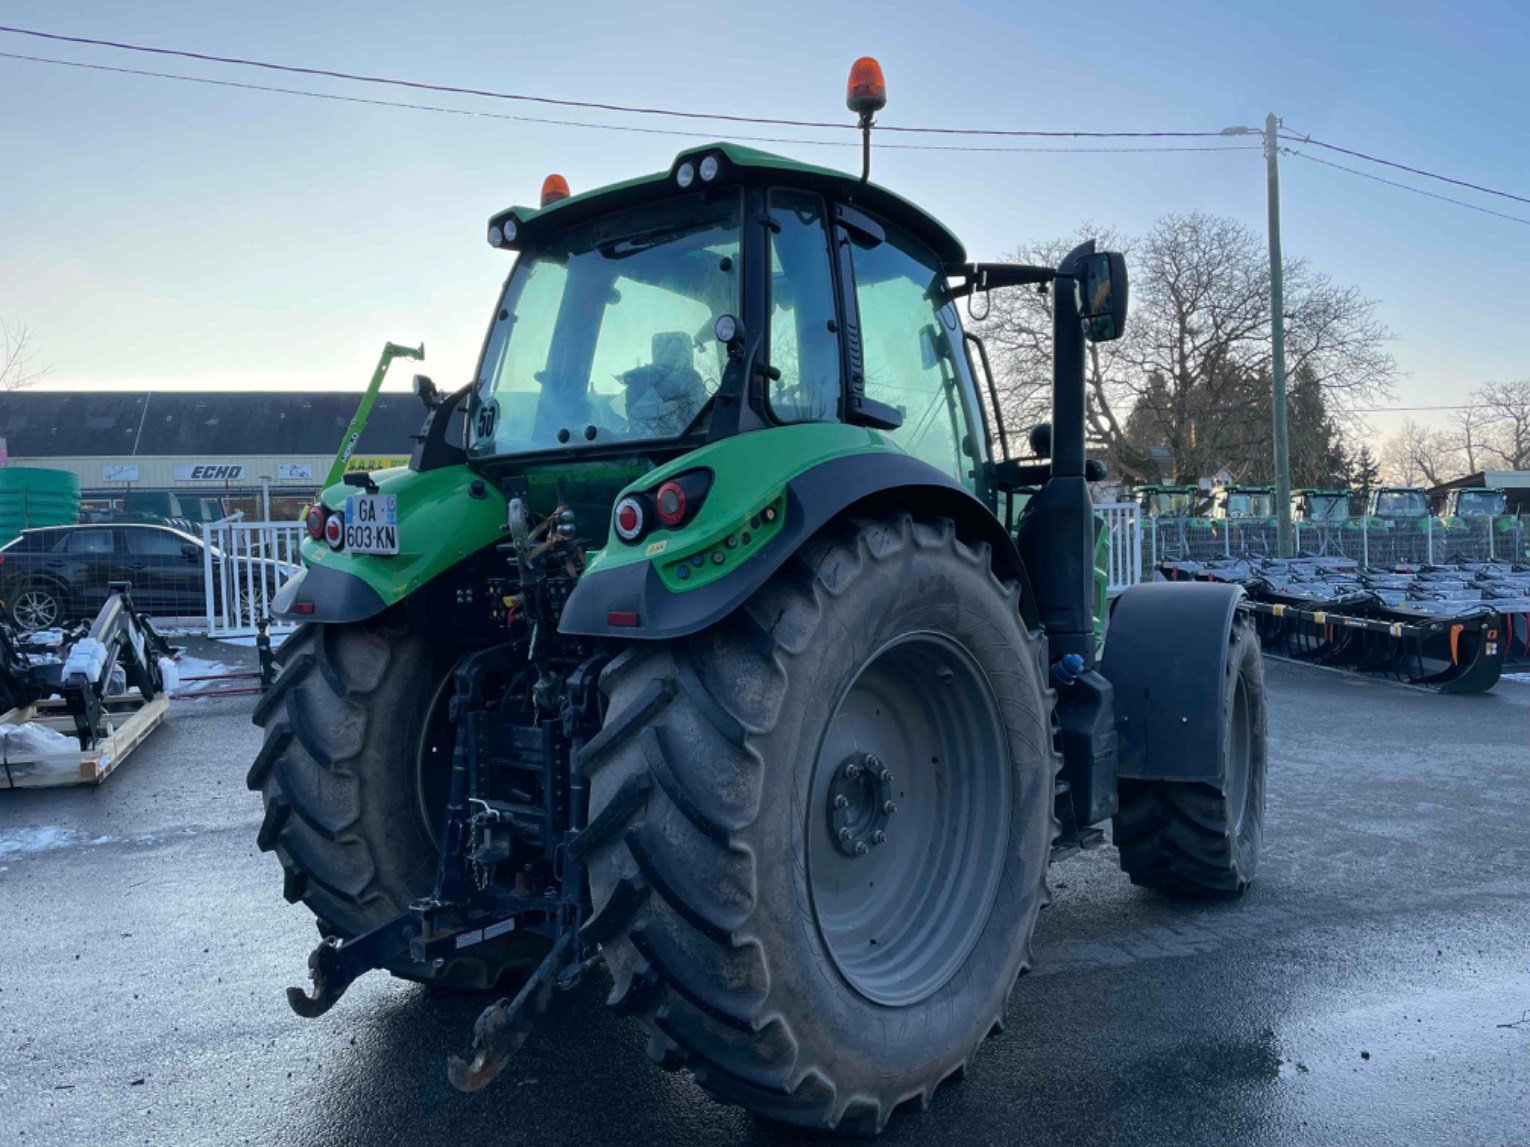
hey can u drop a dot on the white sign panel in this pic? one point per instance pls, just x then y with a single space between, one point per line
119 472
294 471
209 471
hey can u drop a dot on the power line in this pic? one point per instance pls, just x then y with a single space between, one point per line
338 98
1405 186
592 105
1297 138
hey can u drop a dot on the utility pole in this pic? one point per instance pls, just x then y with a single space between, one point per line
1277 334
1278 346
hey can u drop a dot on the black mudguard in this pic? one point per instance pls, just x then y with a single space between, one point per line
317 593
813 498
1166 655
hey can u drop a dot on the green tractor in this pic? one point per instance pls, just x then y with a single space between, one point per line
692 641
1172 504
1245 505
1314 506
1397 508
1478 504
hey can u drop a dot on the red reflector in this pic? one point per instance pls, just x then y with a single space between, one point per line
334 530
623 617
302 607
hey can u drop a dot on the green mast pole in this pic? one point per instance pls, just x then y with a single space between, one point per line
359 420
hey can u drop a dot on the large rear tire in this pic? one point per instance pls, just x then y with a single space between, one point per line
1203 840
813 975
348 773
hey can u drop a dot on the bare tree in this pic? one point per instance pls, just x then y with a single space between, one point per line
1506 406
1469 427
1017 326
1192 374
18 366
1417 453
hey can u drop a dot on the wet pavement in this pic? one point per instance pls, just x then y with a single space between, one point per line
1366 990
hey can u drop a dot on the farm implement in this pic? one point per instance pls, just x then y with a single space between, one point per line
1453 628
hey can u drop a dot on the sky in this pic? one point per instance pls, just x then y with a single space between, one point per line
157 234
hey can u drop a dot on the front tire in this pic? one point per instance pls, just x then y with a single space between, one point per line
810 976
349 757
1203 840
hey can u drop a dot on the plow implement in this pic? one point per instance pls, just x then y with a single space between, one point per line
1451 628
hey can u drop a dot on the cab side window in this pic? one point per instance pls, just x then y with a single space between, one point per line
804 345
908 324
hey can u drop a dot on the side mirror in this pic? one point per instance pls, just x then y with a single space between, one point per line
191 551
1102 296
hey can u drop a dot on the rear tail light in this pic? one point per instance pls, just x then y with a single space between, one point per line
334 531
313 522
669 506
670 501
629 519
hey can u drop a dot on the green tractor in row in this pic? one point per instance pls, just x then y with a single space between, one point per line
1172 504
1314 506
693 642
1478 506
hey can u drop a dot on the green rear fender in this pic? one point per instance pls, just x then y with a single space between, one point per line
770 491
440 522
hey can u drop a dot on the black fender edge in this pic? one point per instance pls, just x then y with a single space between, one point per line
813 498
317 593
1166 650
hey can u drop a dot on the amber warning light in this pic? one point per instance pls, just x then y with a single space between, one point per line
554 188
867 91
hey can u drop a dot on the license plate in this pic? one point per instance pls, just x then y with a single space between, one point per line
371 524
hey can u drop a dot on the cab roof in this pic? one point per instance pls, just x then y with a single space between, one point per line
743 165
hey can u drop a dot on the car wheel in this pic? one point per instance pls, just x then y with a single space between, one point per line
38 606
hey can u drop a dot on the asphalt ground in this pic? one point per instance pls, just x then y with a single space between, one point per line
1370 988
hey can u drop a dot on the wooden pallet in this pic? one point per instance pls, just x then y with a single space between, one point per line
129 720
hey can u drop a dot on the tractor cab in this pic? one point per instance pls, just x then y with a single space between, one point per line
1250 505
1397 508
1476 502
1168 502
1318 507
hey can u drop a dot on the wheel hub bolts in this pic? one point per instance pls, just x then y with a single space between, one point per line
858 804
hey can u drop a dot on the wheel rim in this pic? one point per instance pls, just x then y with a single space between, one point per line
900 915
36 609
1240 737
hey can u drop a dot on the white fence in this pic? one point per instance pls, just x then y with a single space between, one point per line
1124 557
243 565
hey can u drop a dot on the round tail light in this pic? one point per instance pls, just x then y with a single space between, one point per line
628 519
671 503
334 530
313 522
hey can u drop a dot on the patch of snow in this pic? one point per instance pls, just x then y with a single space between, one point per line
24 840
1517 678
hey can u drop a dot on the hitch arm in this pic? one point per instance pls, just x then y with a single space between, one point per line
504 1026
333 965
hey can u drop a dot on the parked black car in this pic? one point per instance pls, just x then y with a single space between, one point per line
57 574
